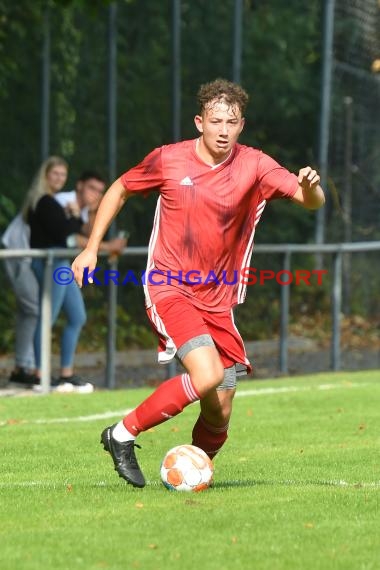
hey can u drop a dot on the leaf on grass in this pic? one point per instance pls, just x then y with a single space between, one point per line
14 421
153 546
234 539
309 525
362 426
69 487
174 429
139 505
249 413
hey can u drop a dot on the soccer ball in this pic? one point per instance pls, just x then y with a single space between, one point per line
186 468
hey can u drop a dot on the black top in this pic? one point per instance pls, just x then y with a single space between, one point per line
49 224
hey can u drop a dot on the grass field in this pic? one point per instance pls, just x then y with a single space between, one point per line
297 485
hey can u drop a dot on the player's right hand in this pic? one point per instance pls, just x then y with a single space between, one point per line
85 259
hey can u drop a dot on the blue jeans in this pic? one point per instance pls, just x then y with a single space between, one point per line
66 297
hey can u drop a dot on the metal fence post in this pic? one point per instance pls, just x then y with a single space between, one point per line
112 152
46 324
237 41
176 69
324 123
284 318
111 331
336 311
172 368
45 96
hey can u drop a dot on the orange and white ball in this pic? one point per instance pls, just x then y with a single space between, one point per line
186 468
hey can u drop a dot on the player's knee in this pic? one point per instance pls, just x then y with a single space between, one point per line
213 376
217 373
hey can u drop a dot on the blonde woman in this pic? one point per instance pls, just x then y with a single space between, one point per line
50 226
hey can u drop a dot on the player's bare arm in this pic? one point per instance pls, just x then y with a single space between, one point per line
309 193
112 202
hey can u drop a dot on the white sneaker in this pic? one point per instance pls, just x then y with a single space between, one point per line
68 387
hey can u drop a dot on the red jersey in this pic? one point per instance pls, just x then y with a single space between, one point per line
205 220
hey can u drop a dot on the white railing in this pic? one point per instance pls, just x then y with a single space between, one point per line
287 250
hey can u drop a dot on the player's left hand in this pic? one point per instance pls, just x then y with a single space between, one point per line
308 178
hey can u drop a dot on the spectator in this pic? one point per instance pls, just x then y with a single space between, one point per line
25 287
86 197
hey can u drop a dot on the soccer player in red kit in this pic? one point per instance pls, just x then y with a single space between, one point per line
212 192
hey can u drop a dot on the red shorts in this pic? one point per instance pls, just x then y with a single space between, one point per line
176 321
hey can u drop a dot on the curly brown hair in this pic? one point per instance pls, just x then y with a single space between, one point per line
222 90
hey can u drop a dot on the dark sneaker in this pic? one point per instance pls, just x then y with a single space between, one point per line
23 378
72 383
124 458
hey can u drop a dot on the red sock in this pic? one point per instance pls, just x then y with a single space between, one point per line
167 401
208 437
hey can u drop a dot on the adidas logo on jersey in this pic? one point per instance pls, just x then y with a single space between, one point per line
186 181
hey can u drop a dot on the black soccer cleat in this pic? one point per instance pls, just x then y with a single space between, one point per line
124 458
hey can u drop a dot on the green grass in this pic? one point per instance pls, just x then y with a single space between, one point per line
296 487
